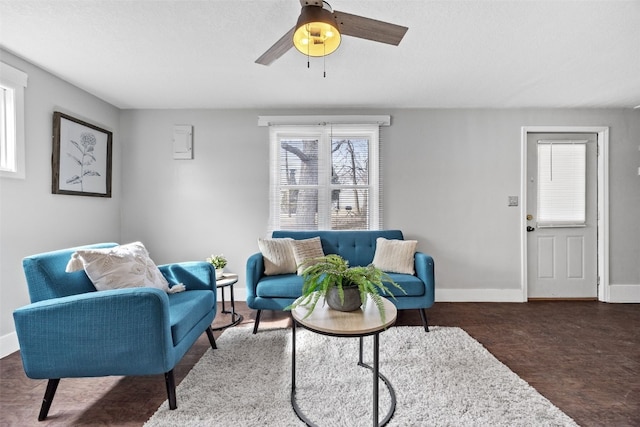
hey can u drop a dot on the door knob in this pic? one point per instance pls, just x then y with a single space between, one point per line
530 229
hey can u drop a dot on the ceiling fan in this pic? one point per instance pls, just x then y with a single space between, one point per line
319 29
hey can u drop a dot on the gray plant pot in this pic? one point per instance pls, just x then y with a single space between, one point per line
352 299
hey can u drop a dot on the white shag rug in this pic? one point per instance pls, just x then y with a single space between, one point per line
441 378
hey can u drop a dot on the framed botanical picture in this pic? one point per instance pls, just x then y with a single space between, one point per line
81 162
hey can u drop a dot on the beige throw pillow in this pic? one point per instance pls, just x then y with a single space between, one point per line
395 256
306 249
124 266
278 256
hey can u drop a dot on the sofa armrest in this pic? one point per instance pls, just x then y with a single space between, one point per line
255 270
195 275
425 270
114 332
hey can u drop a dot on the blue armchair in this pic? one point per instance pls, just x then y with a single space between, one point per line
72 330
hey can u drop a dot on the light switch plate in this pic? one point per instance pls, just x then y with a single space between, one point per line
513 201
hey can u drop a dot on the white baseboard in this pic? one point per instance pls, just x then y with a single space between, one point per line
617 294
8 344
478 295
624 293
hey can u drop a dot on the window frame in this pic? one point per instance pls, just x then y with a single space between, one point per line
324 133
13 146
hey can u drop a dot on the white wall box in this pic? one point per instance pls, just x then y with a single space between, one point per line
183 142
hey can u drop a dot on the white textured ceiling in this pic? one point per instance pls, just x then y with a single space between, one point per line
456 54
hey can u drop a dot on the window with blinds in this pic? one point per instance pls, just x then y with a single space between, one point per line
325 178
12 150
7 129
562 187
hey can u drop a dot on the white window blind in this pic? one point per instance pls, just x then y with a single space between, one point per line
561 194
7 129
12 150
324 177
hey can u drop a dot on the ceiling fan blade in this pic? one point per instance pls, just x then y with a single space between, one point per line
278 49
370 29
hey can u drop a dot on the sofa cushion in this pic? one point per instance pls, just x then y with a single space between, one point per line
123 266
412 285
186 309
395 256
278 256
304 250
283 286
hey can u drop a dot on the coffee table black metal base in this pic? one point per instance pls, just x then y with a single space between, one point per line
375 370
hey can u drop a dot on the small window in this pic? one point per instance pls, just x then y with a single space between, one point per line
562 183
12 150
325 178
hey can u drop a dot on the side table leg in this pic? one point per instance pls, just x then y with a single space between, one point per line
223 309
233 306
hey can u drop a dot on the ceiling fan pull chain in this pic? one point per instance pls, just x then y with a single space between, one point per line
308 54
324 64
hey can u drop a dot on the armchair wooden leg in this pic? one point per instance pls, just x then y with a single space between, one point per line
257 322
171 389
52 386
423 314
212 340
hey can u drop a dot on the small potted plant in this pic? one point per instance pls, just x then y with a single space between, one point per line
219 262
344 288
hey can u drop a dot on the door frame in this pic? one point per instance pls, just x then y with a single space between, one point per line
602 208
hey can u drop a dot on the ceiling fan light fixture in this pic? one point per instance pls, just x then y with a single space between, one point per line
316 32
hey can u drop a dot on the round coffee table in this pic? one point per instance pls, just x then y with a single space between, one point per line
359 323
228 280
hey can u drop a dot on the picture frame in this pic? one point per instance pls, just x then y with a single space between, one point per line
81 160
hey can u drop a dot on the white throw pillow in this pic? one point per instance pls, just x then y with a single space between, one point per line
278 256
306 249
124 266
395 256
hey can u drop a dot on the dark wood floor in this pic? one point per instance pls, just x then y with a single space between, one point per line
583 356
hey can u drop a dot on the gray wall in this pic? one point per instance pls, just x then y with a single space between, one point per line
446 174
33 220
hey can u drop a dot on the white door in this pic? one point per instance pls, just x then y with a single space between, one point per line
562 254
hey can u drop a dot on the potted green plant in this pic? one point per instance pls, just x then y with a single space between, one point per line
344 288
219 262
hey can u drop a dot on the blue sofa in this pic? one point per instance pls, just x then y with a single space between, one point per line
71 330
358 247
